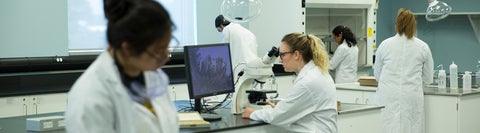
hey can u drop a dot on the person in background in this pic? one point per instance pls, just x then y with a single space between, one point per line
124 90
345 58
243 43
310 105
403 63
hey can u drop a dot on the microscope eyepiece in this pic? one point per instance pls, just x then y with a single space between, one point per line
273 52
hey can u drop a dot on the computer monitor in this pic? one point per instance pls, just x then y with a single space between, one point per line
208 70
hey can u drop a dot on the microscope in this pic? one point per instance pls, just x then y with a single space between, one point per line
250 92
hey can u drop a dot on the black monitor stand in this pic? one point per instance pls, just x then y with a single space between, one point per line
205 115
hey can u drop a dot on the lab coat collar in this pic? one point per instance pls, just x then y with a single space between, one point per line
344 42
401 36
111 72
156 82
305 68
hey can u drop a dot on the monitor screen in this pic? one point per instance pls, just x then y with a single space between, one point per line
208 70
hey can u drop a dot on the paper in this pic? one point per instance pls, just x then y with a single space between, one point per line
192 120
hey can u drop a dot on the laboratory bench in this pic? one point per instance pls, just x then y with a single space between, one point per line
446 110
351 118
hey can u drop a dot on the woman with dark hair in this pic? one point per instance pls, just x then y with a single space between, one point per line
125 90
345 58
311 103
403 64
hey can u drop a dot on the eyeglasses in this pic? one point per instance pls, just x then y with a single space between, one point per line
159 58
281 54
174 45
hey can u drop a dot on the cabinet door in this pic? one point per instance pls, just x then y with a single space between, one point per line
367 121
468 112
13 106
178 92
350 96
369 97
48 103
441 114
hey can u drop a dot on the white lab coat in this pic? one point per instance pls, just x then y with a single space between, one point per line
98 102
243 43
402 66
345 63
310 105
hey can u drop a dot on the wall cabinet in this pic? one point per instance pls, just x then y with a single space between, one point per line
32 104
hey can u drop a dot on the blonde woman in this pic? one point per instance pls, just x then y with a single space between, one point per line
311 103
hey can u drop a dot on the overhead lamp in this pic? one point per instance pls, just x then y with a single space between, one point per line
437 10
241 10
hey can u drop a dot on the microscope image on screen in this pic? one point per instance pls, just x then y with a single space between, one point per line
209 65
209 72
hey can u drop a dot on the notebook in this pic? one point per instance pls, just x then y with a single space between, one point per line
192 120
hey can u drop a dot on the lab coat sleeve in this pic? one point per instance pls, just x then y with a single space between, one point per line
337 58
90 116
297 105
427 72
377 67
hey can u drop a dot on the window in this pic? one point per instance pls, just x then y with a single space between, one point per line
87 24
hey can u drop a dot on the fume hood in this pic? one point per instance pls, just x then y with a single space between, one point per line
317 17
322 16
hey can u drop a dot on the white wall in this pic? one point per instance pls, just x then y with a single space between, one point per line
207 11
276 20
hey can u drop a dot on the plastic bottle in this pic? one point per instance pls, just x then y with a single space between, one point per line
477 75
467 81
453 76
478 69
442 79
436 72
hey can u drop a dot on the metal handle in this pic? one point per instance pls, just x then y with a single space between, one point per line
36 108
25 108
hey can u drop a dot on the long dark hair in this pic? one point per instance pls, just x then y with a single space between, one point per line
137 22
346 34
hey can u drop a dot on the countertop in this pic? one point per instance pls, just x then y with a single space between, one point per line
449 92
228 121
430 90
346 108
355 86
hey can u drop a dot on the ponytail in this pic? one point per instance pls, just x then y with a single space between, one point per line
310 47
346 34
320 57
